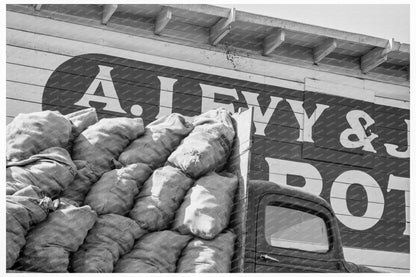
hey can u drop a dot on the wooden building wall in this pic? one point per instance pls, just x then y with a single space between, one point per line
300 115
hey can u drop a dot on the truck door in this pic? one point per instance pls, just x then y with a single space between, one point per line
294 235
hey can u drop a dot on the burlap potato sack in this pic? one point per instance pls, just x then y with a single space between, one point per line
80 186
160 197
115 191
49 244
155 252
81 120
208 146
52 170
23 210
206 209
111 237
29 134
102 142
162 136
208 256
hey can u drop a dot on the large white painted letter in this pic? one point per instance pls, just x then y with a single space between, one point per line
166 96
110 97
260 120
363 140
279 169
305 123
403 184
392 149
208 98
338 199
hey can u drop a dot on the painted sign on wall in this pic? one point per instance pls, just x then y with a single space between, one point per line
354 154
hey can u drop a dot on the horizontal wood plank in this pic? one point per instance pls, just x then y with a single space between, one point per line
307 179
27 75
15 107
74 48
29 87
392 102
339 90
24 92
363 93
388 90
34 58
22 56
51 60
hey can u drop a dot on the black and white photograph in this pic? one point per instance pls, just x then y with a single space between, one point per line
216 137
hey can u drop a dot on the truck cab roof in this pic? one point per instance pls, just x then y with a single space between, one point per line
265 187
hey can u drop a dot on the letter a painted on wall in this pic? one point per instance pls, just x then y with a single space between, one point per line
110 97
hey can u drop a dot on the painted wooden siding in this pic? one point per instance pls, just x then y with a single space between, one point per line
36 47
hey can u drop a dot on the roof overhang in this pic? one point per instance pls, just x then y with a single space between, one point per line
272 39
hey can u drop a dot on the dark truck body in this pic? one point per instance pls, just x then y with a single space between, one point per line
309 239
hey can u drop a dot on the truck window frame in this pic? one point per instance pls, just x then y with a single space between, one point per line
304 210
302 205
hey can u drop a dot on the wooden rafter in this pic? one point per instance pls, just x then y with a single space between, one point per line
163 18
377 56
272 41
108 11
324 49
219 30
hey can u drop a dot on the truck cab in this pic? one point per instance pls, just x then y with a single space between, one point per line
280 228
289 230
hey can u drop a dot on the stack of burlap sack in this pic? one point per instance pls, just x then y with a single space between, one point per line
41 232
114 196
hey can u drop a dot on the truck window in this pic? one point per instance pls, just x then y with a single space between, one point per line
295 229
